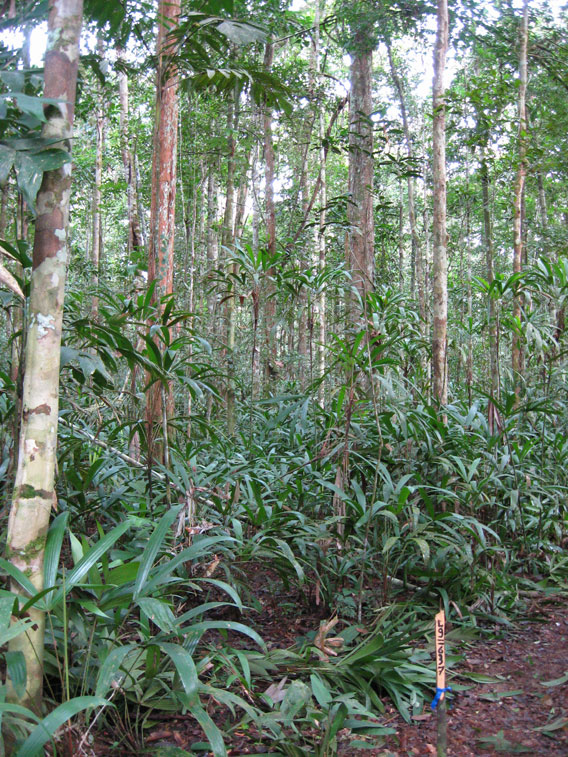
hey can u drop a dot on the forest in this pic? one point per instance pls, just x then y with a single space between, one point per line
283 376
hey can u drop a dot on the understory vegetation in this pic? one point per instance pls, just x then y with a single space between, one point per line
300 453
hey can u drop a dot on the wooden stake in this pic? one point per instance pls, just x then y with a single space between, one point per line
440 701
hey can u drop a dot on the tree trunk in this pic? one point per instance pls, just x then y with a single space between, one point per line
517 350
134 234
227 240
96 243
416 246
440 262
360 239
320 247
34 490
163 200
270 369
489 266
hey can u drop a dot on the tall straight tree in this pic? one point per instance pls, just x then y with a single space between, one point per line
518 242
440 255
34 489
360 239
163 200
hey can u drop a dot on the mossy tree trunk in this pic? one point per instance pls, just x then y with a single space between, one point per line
34 490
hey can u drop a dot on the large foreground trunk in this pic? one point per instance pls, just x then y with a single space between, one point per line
34 491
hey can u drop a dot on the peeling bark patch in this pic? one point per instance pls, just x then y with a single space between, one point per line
43 409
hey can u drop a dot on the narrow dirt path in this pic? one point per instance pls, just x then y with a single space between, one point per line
523 709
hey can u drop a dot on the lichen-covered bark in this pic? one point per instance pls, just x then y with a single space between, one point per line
360 240
440 258
34 485
517 351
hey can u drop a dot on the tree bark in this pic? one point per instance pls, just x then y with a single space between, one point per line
517 349
227 240
34 490
416 246
270 369
97 240
163 201
360 239
134 234
490 272
440 261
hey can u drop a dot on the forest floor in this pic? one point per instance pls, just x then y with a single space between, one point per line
513 697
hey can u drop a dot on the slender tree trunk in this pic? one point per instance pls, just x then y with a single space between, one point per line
34 490
490 272
320 246
360 239
517 350
96 243
163 201
270 369
228 239
440 262
134 234
416 246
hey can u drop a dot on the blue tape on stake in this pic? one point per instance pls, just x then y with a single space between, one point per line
438 696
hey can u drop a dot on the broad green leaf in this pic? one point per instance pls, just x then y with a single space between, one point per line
53 544
18 576
227 626
110 670
15 630
320 691
7 158
159 613
152 548
213 734
76 575
184 665
46 729
16 669
29 174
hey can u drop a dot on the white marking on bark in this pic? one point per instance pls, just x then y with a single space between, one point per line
60 234
30 447
45 324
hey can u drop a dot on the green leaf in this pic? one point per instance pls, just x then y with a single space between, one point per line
110 669
495 696
53 544
151 549
228 626
29 174
7 157
556 681
76 575
18 576
213 734
184 665
16 668
159 613
15 630
46 729
320 691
